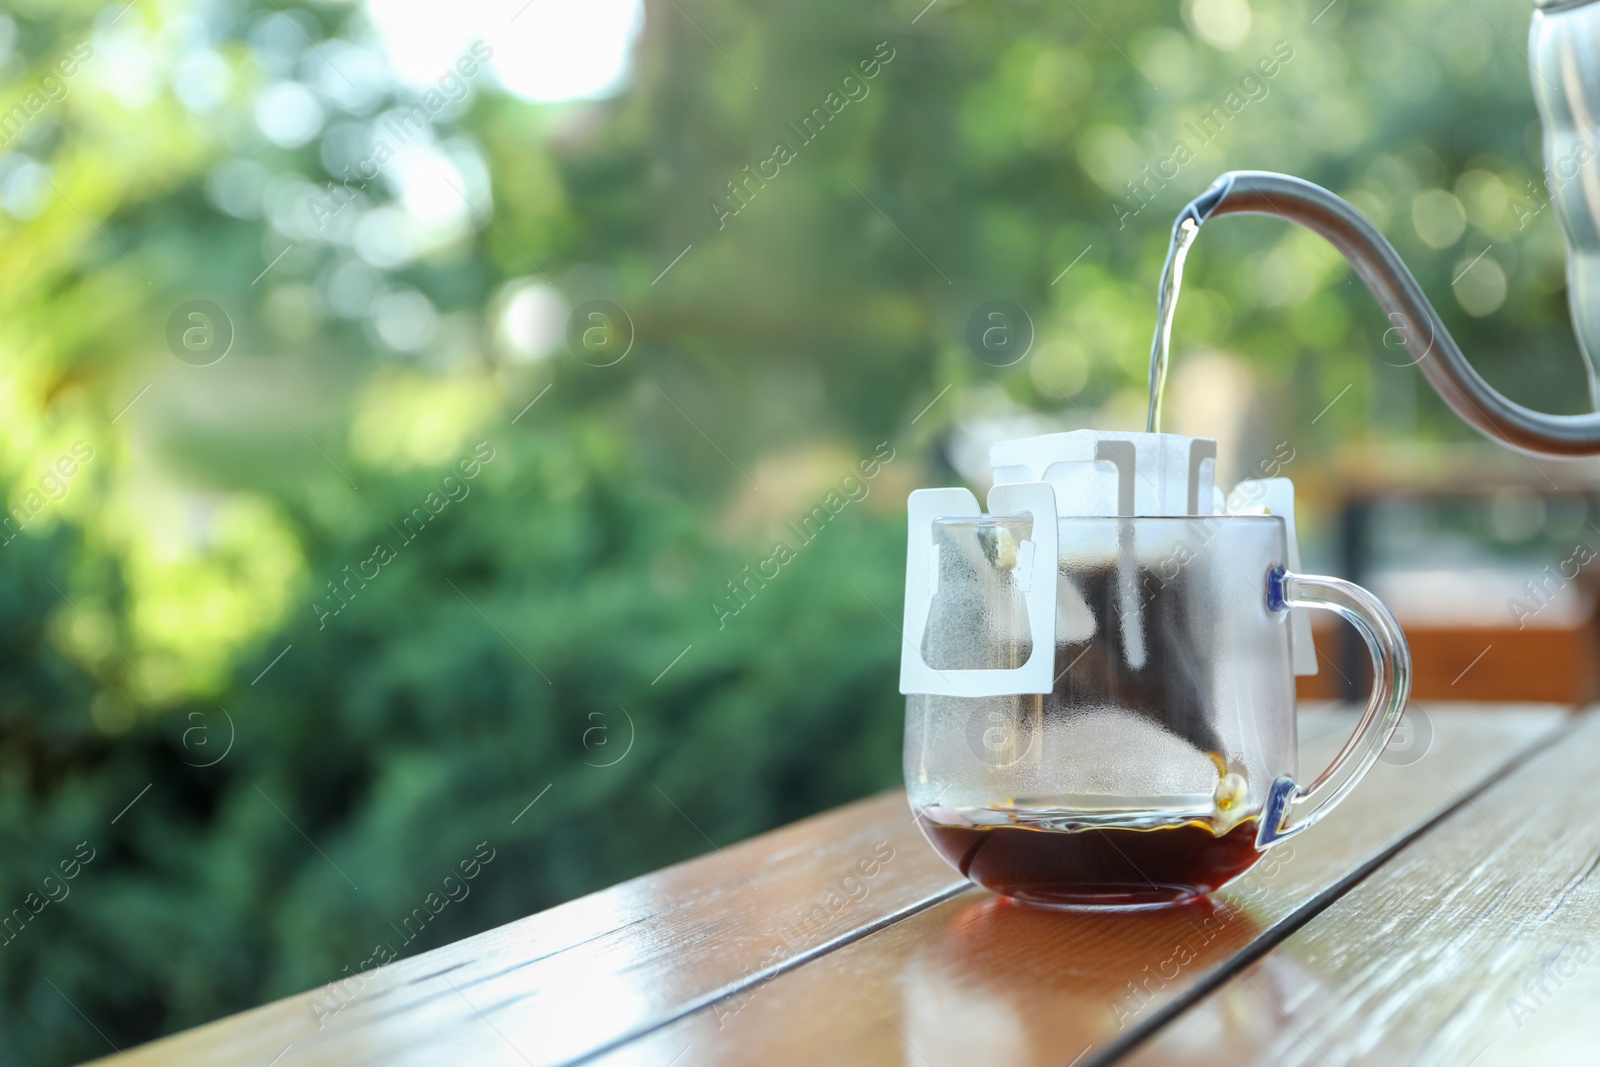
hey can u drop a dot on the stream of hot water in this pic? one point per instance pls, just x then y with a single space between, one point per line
1183 235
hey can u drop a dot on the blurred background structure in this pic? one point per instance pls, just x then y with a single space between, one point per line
397 399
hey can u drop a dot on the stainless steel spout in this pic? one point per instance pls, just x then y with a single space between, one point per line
1411 315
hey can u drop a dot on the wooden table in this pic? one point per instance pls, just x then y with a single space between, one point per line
1448 913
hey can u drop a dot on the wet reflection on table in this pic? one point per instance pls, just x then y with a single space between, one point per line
1009 983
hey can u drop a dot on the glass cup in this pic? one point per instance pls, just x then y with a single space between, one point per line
1163 761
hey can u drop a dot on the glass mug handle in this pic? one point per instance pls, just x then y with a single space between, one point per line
1291 808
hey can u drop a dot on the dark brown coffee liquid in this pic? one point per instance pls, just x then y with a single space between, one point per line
1097 867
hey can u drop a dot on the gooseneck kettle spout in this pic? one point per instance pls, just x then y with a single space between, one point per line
1410 314
1564 61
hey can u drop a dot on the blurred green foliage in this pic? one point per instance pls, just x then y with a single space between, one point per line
141 613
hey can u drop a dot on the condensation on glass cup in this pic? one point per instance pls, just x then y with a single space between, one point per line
1099 672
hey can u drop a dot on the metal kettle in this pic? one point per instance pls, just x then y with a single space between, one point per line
1564 60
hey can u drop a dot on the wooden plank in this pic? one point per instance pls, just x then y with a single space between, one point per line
1479 943
592 972
976 980
1553 663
